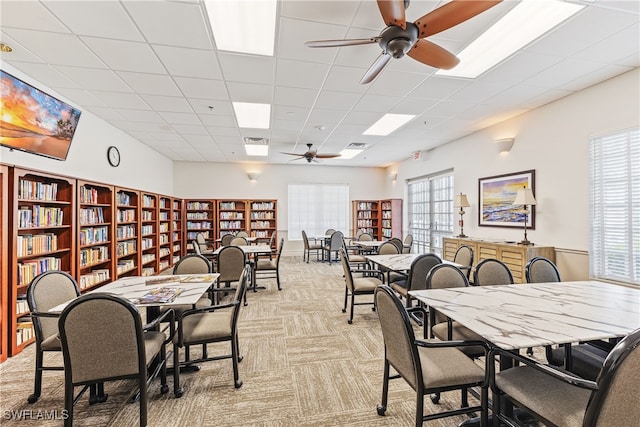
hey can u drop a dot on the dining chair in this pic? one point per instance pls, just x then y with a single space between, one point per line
103 339
242 233
558 398
194 264
417 278
226 239
310 247
407 244
218 323
238 241
398 244
365 237
355 286
428 366
329 231
464 257
492 271
46 291
269 268
334 245
202 243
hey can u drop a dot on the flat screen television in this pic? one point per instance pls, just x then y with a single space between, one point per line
33 121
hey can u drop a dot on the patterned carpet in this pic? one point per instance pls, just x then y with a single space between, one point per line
303 366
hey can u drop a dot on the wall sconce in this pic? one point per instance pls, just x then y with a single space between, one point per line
393 177
253 177
461 202
504 145
525 197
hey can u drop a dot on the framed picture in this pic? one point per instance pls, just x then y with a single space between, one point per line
496 195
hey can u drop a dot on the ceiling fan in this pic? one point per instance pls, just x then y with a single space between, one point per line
401 37
312 154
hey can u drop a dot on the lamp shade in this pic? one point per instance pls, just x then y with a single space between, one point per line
461 201
504 145
525 197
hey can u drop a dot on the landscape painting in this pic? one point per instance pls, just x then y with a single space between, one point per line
496 196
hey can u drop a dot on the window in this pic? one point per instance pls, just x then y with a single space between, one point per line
316 207
430 211
615 207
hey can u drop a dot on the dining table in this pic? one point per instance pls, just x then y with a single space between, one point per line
249 251
399 263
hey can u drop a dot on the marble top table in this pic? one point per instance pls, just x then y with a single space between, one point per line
133 287
249 249
400 262
540 314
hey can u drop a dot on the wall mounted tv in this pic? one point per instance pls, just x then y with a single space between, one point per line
33 121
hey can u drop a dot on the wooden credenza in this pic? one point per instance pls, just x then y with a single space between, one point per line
513 255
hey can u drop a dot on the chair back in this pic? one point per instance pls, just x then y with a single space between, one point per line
102 338
407 244
444 276
336 240
46 291
279 253
238 297
196 247
226 239
358 234
464 257
348 277
420 268
398 244
329 231
609 405
305 239
242 233
202 242
231 263
492 272
388 248
238 241
398 336
365 237
540 269
193 264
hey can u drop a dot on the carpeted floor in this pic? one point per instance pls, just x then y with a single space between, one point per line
303 366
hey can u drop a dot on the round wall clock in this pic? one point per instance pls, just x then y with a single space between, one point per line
113 155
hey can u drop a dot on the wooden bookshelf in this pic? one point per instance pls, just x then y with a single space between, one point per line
366 217
127 259
43 238
263 219
164 232
391 218
4 263
148 234
95 234
232 216
200 217
177 234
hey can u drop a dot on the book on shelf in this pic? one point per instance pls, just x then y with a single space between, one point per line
160 295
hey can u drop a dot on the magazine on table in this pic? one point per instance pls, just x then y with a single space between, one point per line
160 295
200 278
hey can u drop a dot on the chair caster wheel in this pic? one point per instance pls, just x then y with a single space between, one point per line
344 310
381 410
246 304
178 393
349 321
99 398
33 398
164 389
237 384
373 309
240 358
435 398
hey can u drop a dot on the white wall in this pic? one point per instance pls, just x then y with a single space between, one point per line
554 141
140 168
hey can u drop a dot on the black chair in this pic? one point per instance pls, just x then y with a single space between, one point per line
355 286
464 257
333 245
310 247
46 291
417 278
560 399
103 339
428 366
492 272
269 268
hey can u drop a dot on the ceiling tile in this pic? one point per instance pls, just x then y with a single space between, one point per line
94 79
168 103
150 84
183 62
202 88
125 55
247 68
29 15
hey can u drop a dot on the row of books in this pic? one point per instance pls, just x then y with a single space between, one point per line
126 215
89 216
231 225
146 216
33 190
365 223
197 215
146 230
199 225
198 206
123 199
93 235
125 265
164 252
262 205
164 216
29 269
88 194
93 278
365 206
126 248
164 239
146 243
231 215
262 215
126 232
24 332
227 205
261 224
22 307
366 214
147 258
148 201
93 255
39 216
164 227
28 244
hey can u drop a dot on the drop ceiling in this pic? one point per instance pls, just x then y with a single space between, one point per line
151 69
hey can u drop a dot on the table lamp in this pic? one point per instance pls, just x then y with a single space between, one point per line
461 202
525 198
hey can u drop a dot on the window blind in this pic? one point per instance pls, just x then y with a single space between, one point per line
615 206
316 207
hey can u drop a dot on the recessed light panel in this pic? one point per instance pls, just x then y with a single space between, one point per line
251 115
388 123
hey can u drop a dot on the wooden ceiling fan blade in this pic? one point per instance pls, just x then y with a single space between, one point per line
433 55
451 14
327 156
340 43
392 12
375 69
292 154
